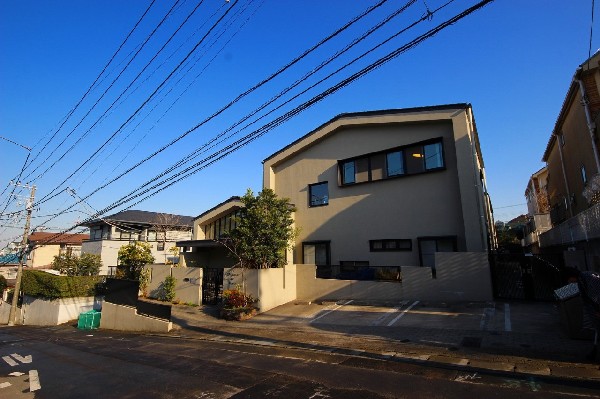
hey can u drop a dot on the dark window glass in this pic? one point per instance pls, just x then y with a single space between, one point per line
318 194
433 156
160 246
395 163
348 172
315 253
391 245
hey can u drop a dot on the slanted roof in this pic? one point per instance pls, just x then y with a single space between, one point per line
145 218
349 116
48 238
10 259
583 72
227 201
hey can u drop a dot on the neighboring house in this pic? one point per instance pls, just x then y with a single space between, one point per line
160 230
8 268
573 164
44 246
538 210
386 188
379 196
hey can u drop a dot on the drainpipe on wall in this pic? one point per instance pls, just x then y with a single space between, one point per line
562 164
590 123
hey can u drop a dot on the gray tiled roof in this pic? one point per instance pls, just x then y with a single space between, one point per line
145 217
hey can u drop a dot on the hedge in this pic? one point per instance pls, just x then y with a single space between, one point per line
41 284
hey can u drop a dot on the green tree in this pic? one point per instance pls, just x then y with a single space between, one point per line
264 231
168 289
89 265
3 284
132 258
85 265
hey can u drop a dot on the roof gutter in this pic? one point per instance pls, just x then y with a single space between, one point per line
590 123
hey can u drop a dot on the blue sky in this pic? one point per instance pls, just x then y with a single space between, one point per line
512 60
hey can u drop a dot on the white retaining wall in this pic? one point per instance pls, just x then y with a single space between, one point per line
125 318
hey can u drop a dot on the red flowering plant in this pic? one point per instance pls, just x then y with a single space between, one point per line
237 305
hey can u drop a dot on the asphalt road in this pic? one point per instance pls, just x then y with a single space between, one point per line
63 362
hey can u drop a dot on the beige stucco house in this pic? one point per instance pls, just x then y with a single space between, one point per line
386 188
160 230
390 205
44 246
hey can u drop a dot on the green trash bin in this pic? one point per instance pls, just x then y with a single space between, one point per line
89 320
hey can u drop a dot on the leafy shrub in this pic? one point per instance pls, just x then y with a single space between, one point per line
3 284
168 289
41 284
85 265
236 299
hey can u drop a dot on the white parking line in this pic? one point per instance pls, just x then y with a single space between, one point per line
380 319
10 361
507 323
402 314
5 385
34 381
332 310
487 316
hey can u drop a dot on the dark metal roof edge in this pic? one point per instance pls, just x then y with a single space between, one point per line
392 111
230 199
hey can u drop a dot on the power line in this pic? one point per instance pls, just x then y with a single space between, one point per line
98 101
247 92
49 195
278 121
66 118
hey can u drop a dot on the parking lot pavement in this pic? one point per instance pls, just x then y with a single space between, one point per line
514 337
473 316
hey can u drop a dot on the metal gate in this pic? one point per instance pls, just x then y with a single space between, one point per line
517 276
212 285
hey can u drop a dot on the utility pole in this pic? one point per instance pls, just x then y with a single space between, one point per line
22 258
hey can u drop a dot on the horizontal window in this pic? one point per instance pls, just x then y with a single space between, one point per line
390 245
407 160
318 194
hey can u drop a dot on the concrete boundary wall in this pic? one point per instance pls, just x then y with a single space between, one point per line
188 282
460 276
272 287
46 312
125 318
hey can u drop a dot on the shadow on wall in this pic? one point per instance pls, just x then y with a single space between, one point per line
461 276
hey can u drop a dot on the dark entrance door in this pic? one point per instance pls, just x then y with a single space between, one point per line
212 285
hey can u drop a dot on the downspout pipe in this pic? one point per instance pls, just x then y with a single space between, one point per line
590 123
562 164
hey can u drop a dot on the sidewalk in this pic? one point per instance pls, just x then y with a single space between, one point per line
510 339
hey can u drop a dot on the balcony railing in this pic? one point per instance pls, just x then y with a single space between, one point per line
581 227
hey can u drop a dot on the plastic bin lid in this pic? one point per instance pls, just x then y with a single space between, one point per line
567 292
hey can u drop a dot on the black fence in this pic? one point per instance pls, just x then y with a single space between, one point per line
153 309
125 292
121 292
527 277
362 272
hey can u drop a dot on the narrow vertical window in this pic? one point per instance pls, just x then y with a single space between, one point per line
348 172
433 156
318 194
395 163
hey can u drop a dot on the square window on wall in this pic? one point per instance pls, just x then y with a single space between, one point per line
318 194
160 246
